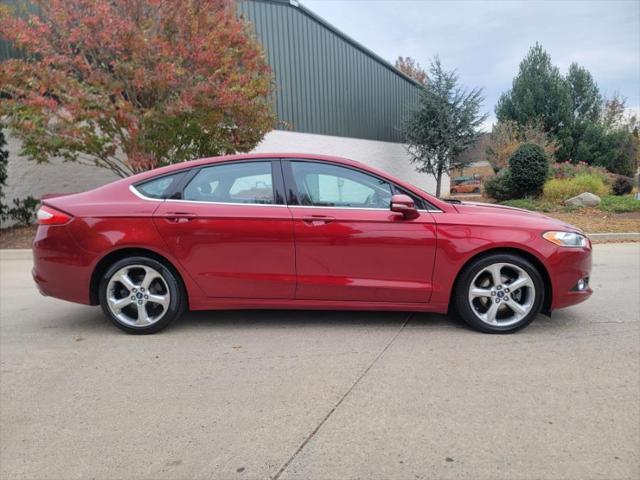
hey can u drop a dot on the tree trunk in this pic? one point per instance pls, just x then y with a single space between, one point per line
438 182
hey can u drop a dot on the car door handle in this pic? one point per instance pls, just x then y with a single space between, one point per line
317 219
179 217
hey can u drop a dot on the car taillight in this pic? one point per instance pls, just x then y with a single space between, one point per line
50 216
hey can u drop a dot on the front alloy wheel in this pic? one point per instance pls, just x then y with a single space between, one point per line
141 295
500 293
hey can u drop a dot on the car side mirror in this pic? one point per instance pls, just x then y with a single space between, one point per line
403 204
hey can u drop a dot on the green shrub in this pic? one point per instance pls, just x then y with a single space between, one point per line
529 170
500 187
619 204
622 185
558 190
24 210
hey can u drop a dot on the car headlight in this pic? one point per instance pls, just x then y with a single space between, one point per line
566 239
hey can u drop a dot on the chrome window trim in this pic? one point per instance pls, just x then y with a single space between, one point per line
356 208
143 197
226 203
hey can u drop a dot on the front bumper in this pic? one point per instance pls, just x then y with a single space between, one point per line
567 266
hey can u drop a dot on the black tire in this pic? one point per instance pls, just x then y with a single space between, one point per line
477 190
176 304
468 313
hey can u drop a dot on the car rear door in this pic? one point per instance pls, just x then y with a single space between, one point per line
349 245
231 231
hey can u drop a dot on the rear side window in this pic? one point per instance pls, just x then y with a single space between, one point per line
159 187
241 182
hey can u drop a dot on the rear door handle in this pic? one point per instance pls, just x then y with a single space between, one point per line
317 219
179 217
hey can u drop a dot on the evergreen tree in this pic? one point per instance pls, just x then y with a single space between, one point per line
540 94
445 123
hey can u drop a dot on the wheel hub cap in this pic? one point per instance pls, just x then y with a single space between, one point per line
138 295
502 294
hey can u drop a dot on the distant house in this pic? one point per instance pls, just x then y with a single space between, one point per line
332 96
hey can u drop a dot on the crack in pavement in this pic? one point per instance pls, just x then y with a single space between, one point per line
345 395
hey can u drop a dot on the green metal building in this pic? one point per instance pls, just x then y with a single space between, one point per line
328 83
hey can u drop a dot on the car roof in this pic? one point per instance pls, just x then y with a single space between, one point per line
249 156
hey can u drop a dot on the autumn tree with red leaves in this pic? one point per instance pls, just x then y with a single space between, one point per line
131 85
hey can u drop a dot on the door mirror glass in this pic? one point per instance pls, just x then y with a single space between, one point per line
404 204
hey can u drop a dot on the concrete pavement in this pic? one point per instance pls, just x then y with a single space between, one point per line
321 395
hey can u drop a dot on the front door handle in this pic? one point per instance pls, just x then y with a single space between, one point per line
317 219
179 217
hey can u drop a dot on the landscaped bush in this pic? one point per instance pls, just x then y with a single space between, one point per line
622 185
558 190
24 210
500 187
620 204
529 170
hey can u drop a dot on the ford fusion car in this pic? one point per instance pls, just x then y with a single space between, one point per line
293 231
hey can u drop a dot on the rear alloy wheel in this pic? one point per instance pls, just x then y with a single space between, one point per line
140 295
499 294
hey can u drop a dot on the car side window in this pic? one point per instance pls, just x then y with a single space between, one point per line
238 182
159 187
327 185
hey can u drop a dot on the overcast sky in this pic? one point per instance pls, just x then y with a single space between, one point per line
486 40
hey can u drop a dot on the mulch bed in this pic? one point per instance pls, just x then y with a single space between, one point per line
592 220
17 237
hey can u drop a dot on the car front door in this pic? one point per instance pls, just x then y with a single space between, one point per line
231 230
349 245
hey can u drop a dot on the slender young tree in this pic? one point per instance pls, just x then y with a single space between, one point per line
445 123
4 161
586 103
586 100
130 85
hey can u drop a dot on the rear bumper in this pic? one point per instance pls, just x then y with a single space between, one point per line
566 267
61 269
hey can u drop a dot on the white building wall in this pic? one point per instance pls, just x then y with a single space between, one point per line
26 177
386 156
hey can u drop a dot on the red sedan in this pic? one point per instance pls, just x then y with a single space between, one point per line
303 232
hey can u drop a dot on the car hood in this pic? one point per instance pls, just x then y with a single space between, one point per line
516 216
